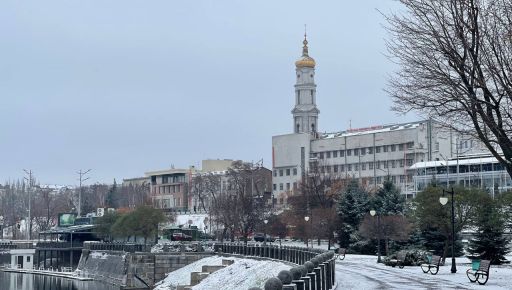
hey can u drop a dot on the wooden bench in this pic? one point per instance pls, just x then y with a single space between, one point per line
432 266
480 274
340 253
399 261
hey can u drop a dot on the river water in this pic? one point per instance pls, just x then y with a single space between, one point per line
18 281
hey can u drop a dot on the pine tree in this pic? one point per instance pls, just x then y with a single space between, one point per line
489 242
353 205
388 199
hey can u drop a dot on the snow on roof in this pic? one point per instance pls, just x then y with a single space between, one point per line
371 130
439 163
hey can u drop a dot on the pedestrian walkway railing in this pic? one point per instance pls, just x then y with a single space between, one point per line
102 246
315 268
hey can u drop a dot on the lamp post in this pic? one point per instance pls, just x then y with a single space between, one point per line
373 213
265 232
444 200
306 218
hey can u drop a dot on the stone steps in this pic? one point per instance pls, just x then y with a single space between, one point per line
206 270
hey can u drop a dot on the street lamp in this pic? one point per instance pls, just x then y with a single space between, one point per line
444 200
373 213
265 234
306 218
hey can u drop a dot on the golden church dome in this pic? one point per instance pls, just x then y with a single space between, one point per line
305 60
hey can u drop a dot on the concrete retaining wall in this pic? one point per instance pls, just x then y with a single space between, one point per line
133 270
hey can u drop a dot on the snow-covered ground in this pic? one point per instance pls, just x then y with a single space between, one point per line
362 272
242 274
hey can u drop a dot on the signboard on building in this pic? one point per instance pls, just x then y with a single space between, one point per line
100 212
66 219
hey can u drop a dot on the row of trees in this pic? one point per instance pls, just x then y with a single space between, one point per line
47 202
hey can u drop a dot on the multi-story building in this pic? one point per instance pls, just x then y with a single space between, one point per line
475 170
169 188
174 189
367 154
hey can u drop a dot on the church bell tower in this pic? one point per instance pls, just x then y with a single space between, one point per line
305 112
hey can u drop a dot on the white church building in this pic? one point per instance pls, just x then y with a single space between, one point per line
368 154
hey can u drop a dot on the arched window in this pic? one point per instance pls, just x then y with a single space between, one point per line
297 128
313 127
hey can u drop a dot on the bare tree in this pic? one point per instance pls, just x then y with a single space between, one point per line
243 207
392 227
455 61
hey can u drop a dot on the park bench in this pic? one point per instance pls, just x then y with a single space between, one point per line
432 266
400 260
479 271
340 253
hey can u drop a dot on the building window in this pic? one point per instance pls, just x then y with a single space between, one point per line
402 178
393 148
356 166
377 164
370 165
295 186
356 152
385 148
363 166
379 179
321 155
280 186
363 151
280 172
295 171
274 186
349 152
385 164
335 167
437 146
370 150
349 167
342 153
393 179
393 163
409 162
328 154
287 186
400 147
342 168
410 145
334 154
377 149
288 172
328 169
401 163
28 259
275 173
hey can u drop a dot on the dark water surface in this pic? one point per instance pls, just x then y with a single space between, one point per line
18 281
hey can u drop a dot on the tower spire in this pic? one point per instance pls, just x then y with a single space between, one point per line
305 42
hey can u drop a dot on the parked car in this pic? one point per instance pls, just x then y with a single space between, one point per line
260 237
180 237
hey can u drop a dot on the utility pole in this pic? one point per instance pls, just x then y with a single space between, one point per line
29 189
81 175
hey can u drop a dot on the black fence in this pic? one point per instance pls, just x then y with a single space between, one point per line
95 246
315 268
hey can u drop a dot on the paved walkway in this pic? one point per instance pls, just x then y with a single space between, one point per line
364 273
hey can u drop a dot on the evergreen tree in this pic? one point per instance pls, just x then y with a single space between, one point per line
489 242
388 200
352 206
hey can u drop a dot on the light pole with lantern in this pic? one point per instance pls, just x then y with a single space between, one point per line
373 213
265 232
306 218
444 200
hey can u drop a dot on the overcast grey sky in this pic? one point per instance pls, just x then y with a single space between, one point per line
123 87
